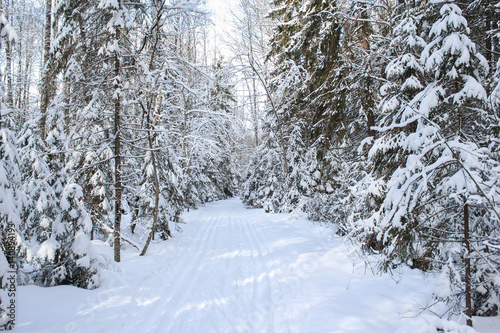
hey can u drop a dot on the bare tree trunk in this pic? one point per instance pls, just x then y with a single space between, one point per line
117 153
45 91
468 295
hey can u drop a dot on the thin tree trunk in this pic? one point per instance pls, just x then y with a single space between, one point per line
468 295
45 93
117 152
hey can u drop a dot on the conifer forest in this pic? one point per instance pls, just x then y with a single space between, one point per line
377 120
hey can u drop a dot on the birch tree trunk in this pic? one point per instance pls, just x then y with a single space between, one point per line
45 91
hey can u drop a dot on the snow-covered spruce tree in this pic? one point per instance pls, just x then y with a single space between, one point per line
265 185
308 35
206 145
288 44
340 49
40 208
469 139
334 199
93 50
56 220
64 254
75 52
268 188
300 182
221 101
441 194
405 78
264 179
364 55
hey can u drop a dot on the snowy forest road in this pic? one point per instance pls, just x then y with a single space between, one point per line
232 269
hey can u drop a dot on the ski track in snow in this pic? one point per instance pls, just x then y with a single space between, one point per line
232 270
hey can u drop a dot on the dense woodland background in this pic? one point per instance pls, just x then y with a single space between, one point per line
380 118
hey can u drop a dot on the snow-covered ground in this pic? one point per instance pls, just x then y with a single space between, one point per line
234 269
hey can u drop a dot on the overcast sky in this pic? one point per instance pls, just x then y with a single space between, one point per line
221 10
